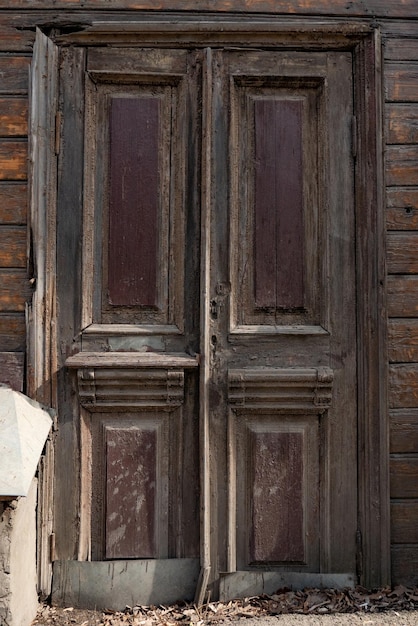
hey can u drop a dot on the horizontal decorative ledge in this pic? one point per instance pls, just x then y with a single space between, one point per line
131 329
130 381
281 389
131 360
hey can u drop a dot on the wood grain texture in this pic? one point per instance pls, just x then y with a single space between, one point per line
404 431
13 39
403 385
403 341
402 208
13 117
14 290
131 483
402 253
404 522
401 294
12 333
401 49
279 234
401 123
134 201
13 160
402 165
14 74
13 246
12 366
277 497
401 82
404 565
356 8
404 477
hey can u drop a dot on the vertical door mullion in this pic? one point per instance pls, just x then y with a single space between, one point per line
205 325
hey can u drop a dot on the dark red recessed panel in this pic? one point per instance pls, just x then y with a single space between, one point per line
279 225
134 201
277 497
131 460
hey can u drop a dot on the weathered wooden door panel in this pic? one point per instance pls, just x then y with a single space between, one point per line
129 349
283 325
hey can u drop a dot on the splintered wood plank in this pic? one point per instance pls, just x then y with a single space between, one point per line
404 522
402 123
277 497
131 477
14 74
402 253
403 431
14 290
401 82
16 40
13 160
12 365
403 341
12 246
402 296
134 201
404 477
279 233
13 117
402 209
403 386
402 165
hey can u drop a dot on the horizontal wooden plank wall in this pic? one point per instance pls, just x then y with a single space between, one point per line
401 134
14 285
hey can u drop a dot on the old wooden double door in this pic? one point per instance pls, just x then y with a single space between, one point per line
206 309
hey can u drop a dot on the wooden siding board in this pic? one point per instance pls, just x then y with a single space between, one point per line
404 431
13 117
12 332
398 49
401 123
402 296
12 369
403 385
402 253
404 477
134 200
404 518
12 246
401 82
14 74
402 208
402 165
403 340
13 160
404 560
356 8
279 236
14 290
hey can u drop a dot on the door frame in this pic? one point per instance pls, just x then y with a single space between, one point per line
363 40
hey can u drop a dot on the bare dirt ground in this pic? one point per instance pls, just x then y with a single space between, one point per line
311 607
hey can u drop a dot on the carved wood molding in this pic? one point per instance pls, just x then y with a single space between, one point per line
281 389
112 389
128 381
